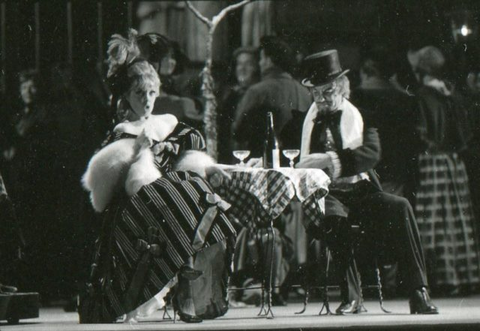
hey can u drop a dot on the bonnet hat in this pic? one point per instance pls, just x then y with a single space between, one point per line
428 59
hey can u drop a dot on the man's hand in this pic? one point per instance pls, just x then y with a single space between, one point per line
315 160
254 162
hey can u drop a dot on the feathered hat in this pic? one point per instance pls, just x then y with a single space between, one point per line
122 53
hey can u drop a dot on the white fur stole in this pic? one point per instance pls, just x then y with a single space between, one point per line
128 164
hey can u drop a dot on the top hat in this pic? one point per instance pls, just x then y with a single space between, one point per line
321 68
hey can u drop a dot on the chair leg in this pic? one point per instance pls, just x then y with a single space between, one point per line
267 277
361 308
379 286
326 303
306 284
305 302
166 315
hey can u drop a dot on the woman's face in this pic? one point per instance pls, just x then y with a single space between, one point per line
28 91
246 68
142 99
168 64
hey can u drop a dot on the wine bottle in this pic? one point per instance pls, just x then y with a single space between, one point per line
271 150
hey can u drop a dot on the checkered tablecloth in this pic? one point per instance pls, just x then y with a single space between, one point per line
261 195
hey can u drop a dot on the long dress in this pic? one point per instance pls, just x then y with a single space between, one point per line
147 240
443 205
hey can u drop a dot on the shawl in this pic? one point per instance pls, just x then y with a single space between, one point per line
126 164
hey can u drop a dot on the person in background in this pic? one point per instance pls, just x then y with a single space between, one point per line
27 160
393 113
404 78
277 92
472 155
339 139
247 73
168 59
443 206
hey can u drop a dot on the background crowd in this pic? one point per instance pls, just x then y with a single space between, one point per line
423 100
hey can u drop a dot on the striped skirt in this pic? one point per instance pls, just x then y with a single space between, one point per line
446 222
155 233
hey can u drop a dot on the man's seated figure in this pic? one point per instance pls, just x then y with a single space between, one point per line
337 139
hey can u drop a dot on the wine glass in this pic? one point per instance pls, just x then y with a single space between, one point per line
291 154
241 155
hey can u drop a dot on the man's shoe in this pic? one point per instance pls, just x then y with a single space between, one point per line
187 318
350 307
420 303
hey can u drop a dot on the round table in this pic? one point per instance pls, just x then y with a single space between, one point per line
259 196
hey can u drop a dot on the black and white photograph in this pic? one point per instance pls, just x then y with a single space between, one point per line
239 165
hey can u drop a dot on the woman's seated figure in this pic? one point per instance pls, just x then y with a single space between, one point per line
163 224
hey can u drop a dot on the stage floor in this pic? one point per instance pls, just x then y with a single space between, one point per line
455 314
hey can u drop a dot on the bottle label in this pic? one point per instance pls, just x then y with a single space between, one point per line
275 158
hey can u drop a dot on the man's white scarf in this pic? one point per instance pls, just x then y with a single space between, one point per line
351 127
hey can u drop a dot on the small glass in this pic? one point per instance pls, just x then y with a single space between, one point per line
241 155
291 154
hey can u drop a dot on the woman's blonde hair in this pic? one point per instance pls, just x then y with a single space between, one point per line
141 75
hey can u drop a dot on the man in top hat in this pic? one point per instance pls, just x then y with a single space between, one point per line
336 138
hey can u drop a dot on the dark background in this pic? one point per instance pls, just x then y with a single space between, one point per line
309 25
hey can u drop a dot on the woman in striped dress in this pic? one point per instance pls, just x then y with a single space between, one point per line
443 206
163 224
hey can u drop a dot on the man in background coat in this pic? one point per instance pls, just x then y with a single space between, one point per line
393 113
277 92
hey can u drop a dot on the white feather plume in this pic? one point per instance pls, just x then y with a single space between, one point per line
122 50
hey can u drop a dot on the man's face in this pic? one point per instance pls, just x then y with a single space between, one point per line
327 97
28 91
265 62
246 68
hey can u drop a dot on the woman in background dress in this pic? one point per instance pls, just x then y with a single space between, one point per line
443 206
